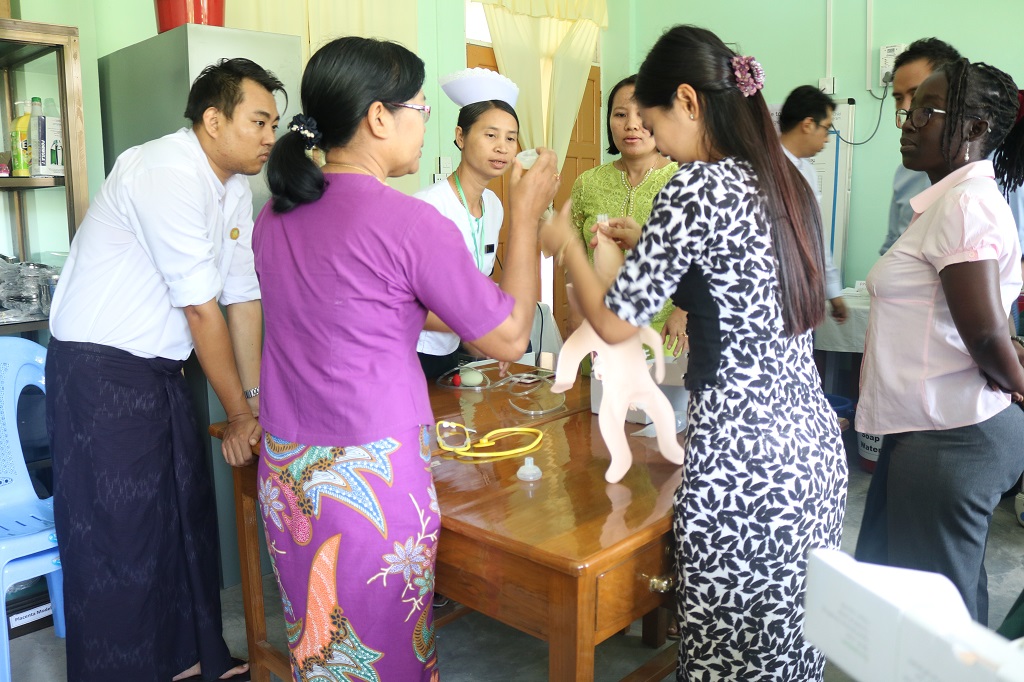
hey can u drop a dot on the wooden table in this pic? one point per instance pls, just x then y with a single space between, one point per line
568 559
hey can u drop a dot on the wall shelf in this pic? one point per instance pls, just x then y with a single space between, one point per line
31 44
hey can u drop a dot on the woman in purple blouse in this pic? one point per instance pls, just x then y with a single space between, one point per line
348 269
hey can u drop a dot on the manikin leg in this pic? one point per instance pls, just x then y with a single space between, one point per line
575 348
611 418
659 409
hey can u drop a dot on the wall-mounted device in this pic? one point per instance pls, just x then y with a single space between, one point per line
887 61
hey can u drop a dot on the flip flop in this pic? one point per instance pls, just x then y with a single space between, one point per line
238 677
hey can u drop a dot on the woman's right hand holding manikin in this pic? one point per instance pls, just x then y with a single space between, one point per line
625 232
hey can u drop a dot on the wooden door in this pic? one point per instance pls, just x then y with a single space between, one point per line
584 152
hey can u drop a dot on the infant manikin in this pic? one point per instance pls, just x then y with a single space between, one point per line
623 370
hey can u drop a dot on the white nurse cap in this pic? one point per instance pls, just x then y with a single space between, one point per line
478 85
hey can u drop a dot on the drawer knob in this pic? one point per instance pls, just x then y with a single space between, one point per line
661 583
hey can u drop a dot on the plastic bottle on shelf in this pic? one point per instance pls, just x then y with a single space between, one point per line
36 137
20 152
45 137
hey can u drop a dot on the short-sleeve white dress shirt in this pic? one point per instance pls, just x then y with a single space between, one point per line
917 373
162 233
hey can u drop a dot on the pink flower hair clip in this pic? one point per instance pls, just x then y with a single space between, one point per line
749 74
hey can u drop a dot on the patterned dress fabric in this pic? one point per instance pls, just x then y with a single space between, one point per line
340 521
140 605
765 474
605 189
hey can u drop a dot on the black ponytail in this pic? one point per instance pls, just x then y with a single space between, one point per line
341 81
980 91
1009 158
293 177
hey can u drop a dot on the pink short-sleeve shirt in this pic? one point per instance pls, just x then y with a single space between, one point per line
917 373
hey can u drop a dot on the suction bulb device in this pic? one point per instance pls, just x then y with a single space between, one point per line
529 471
527 158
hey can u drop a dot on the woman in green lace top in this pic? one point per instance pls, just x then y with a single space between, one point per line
626 187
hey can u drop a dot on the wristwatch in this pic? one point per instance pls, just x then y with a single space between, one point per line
251 393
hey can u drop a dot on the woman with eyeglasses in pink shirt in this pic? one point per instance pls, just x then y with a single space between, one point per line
941 375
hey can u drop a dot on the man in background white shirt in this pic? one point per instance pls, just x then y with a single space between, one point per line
166 241
804 122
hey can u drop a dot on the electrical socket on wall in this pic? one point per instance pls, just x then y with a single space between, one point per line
827 85
887 61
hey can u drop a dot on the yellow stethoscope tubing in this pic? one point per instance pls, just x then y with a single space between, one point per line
489 439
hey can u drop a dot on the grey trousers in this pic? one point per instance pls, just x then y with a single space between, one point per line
931 500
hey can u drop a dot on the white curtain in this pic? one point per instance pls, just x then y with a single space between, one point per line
319 21
546 47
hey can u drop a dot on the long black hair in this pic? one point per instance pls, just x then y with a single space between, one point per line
471 113
979 91
741 127
340 82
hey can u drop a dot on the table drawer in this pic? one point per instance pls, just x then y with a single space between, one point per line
624 591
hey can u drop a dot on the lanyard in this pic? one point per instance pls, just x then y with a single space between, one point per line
476 225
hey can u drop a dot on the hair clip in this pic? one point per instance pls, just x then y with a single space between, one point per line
306 127
749 74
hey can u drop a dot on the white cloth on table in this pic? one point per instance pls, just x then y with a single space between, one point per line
847 337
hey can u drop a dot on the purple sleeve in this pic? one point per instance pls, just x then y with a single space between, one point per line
445 279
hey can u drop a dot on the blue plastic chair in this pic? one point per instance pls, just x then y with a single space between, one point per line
28 542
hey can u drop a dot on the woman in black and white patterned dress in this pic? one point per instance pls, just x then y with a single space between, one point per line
733 239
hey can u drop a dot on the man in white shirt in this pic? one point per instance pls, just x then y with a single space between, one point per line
166 241
911 68
804 122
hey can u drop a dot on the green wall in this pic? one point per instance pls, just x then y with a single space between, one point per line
78 13
788 38
106 26
439 21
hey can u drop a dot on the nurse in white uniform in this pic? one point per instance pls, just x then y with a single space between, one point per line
487 134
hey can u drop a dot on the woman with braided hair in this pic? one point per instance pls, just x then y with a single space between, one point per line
940 373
